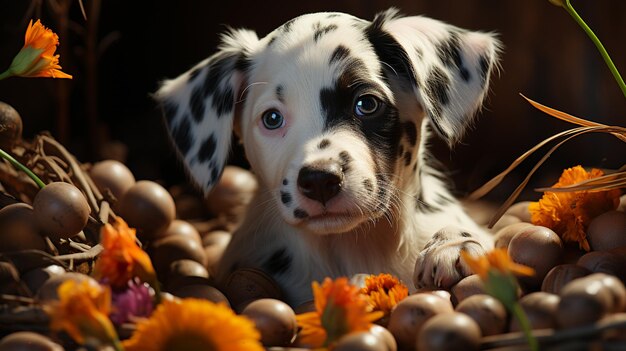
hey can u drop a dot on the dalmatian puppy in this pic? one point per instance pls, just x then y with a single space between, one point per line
334 113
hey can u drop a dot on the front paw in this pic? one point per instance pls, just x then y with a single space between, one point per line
439 265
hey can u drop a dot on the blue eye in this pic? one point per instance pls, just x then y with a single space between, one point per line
272 119
367 105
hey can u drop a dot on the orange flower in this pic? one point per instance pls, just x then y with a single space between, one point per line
569 213
37 58
339 310
194 324
497 260
82 311
383 292
122 259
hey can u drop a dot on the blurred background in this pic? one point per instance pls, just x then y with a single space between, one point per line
125 48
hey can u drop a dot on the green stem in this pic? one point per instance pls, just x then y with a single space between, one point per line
20 166
596 41
5 74
519 314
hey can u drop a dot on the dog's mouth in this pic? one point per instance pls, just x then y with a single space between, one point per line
333 222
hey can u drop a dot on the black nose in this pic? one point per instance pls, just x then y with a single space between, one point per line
320 181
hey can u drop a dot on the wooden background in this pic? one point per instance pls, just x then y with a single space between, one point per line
547 57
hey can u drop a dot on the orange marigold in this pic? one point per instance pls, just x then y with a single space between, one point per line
82 311
569 213
383 292
122 259
497 260
37 58
339 310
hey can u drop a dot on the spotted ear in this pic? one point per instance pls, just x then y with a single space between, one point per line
199 107
448 67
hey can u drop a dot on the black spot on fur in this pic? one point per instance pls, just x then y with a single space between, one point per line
483 63
333 15
450 54
411 132
424 207
466 235
389 50
323 144
196 103
367 184
345 158
278 262
300 213
280 94
340 53
400 150
438 85
207 149
285 182
215 174
272 40
181 136
285 197
407 158
320 31
243 63
287 26
223 101
415 167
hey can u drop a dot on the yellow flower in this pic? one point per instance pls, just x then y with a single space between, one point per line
194 324
82 311
122 259
339 310
569 213
37 58
383 292
496 260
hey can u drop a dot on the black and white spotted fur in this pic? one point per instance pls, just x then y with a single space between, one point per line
334 113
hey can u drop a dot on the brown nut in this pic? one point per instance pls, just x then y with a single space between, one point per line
360 341
248 284
449 332
112 175
410 314
28 341
604 262
60 210
503 237
274 319
583 302
468 286
10 126
520 210
540 309
489 313
560 275
148 207
539 248
18 230
172 248
607 231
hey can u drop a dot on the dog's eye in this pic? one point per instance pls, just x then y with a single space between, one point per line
272 119
366 105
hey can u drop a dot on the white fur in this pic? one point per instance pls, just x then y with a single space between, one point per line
373 225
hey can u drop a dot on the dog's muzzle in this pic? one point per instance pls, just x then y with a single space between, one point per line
321 180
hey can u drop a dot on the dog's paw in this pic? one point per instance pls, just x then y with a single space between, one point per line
439 264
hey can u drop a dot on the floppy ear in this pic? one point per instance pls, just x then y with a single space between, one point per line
448 67
199 107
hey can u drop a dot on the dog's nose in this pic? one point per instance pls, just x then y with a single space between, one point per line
320 181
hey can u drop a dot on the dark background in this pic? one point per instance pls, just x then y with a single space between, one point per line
135 44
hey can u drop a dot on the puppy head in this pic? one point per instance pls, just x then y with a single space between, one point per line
331 109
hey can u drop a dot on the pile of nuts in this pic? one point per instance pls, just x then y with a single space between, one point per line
51 235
